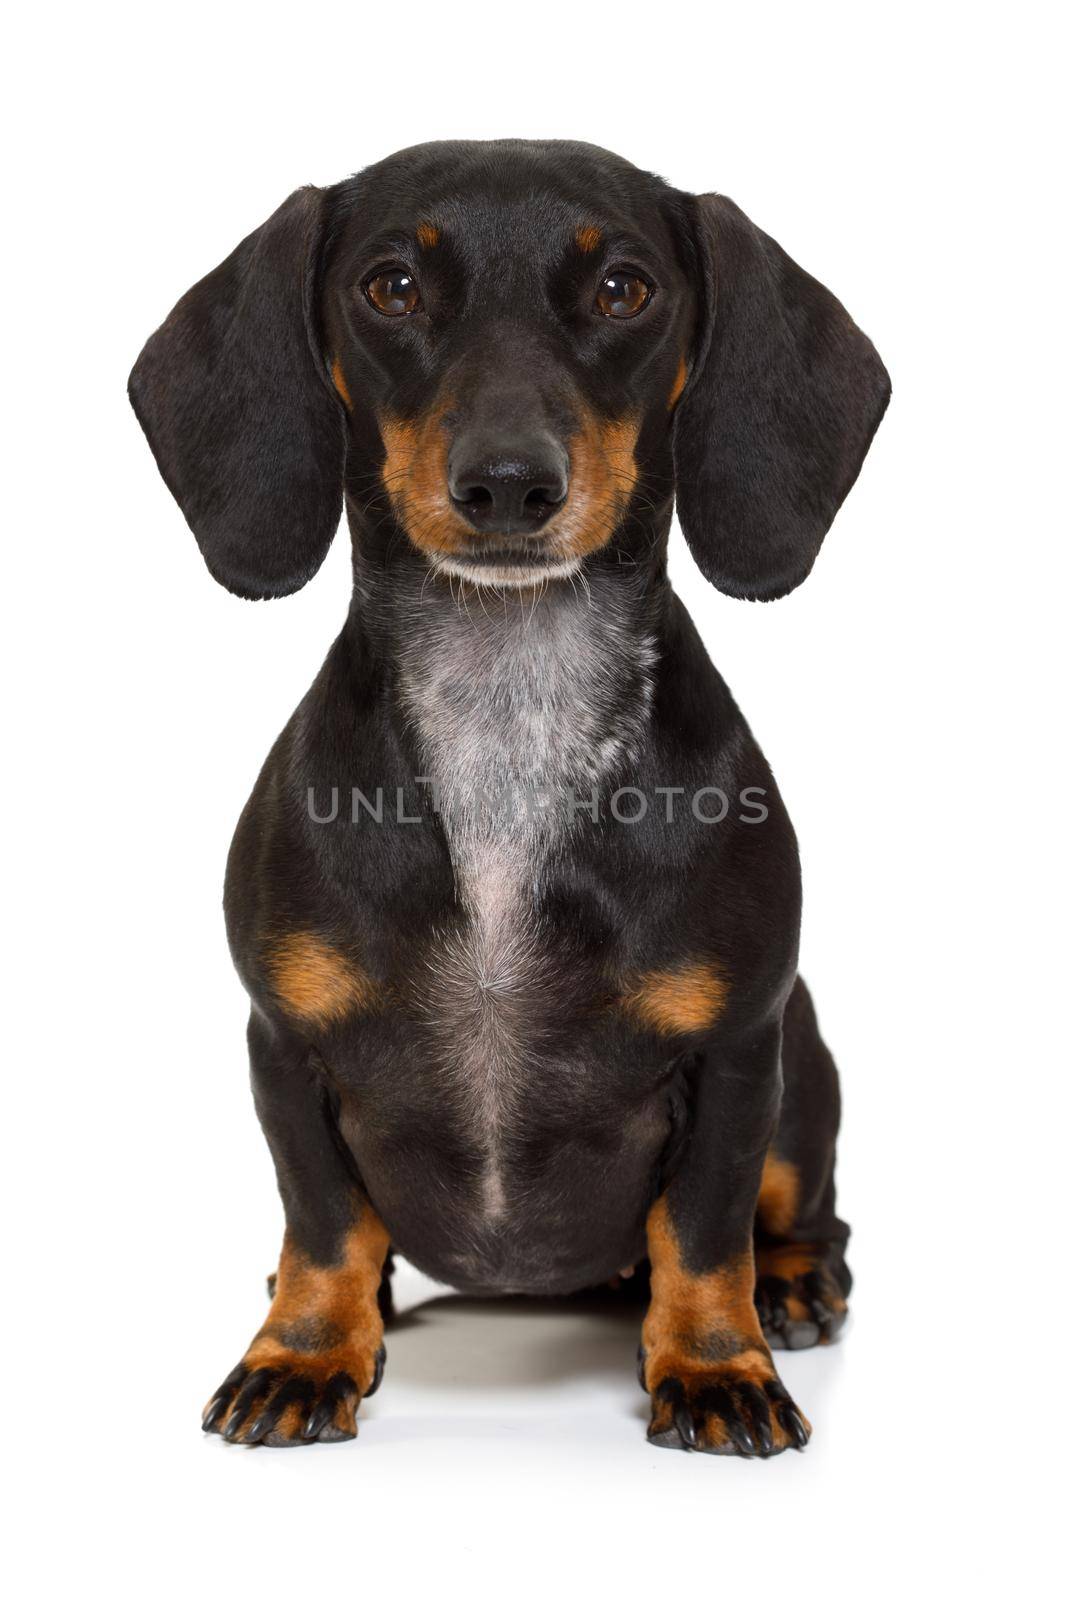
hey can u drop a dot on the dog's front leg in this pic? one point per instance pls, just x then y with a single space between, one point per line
320 1350
705 1362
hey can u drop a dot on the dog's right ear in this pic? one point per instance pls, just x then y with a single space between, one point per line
233 396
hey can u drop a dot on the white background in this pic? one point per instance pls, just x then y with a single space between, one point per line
907 697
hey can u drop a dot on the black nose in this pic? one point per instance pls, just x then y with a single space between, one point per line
506 489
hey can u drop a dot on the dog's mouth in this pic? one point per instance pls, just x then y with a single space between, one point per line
510 567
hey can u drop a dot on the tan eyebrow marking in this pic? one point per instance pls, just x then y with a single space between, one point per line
587 239
339 382
428 234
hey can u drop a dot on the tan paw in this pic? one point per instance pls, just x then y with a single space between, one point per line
289 1398
732 1407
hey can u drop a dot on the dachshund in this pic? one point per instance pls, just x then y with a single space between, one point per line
515 898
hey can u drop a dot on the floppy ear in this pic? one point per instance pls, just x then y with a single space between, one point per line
232 394
773 427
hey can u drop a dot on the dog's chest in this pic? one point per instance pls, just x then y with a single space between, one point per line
520 717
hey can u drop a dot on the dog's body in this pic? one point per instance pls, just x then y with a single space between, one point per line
522 1007
503 1092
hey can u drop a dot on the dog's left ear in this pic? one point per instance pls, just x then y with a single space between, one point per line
233 395
773 426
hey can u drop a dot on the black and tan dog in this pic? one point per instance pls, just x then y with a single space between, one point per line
524 998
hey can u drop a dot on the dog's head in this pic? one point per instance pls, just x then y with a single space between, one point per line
517 352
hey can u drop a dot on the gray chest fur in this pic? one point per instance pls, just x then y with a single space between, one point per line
519 710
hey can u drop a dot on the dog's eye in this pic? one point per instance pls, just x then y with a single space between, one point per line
394 293
622 294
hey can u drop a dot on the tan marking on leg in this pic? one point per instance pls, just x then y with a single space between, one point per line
685 999
691 1313
776 1207
334 1309
315 982
678 385
428 234
702 1331
339 382
323 1323
587 239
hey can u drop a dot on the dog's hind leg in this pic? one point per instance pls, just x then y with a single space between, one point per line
802 1281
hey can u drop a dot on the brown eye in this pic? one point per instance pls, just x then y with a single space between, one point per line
394 293
622 294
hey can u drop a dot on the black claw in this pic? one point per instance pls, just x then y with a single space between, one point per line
215 1412
683 1421
238 1417
263 1423
322 1414
760 1413
741 1438
641 1367
792 1422
257 1384
670 1397
665 1438
379 1368
292 1389
222 1397
340 1387
718 1400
